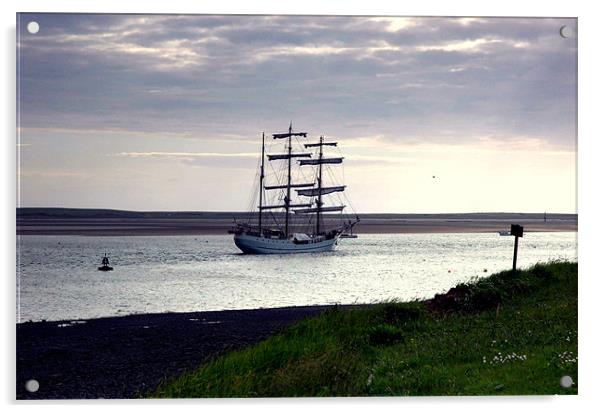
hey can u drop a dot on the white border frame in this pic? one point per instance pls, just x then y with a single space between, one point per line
588 190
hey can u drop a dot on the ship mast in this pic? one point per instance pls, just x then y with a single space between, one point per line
319 202
287 200
320 189
261 176
289 155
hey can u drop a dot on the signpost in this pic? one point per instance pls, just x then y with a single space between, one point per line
517 231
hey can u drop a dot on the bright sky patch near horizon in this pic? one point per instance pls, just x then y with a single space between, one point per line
165 112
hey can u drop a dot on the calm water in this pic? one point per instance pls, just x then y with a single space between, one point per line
58 279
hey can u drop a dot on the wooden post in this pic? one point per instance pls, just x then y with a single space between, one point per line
517 231
515 255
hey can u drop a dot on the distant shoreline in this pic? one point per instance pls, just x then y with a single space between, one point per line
363 230
94 222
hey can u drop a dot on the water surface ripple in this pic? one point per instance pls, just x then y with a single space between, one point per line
57 276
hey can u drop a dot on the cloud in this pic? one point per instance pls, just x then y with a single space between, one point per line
52 174
186 155
195 89
241 74
216 161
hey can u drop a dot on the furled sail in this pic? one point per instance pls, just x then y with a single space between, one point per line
287 156
289 134
320 191
292 186
320 161
313 145
284 206
323 209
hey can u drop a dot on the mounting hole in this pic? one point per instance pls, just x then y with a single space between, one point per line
32 386
33 27
566 32
566 381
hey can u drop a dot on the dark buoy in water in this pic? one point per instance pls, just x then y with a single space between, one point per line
105 264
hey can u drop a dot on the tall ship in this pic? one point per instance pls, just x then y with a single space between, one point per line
297 200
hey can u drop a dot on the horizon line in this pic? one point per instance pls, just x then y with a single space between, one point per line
247 212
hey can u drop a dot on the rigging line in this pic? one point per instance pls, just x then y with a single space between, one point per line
351 205
273 173
279 176
283 177
305 176
299 175
333 179
252 196
279 173
346 199
278 225
342 166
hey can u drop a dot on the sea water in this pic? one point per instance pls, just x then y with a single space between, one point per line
58 279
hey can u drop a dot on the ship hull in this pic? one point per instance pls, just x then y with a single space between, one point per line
250 244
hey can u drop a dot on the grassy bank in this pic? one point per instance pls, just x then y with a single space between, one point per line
501 335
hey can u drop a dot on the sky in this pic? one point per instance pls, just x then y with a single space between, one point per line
165 112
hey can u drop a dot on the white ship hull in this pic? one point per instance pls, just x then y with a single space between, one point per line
251 244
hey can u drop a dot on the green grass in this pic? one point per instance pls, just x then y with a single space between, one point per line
501 335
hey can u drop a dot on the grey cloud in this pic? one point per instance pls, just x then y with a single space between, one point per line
250 73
